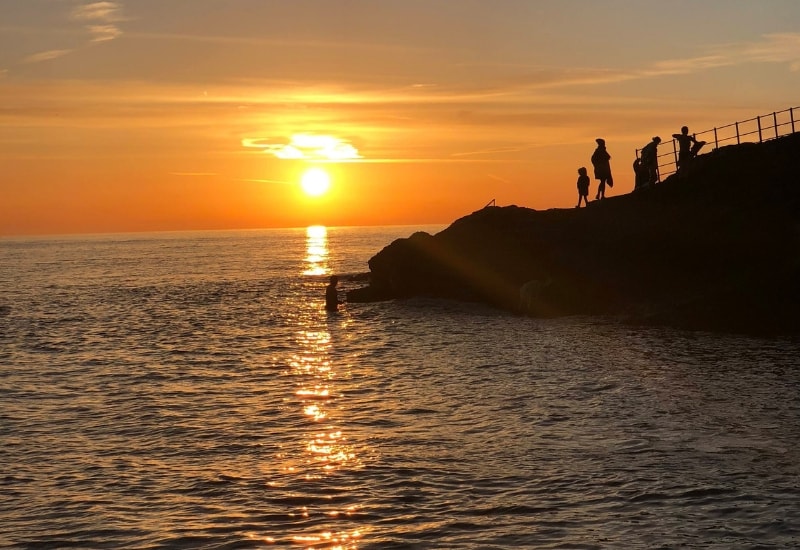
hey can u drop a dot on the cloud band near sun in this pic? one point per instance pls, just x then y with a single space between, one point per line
307 147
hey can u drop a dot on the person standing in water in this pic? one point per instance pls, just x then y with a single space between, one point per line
332 294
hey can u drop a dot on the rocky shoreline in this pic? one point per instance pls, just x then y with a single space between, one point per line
715 249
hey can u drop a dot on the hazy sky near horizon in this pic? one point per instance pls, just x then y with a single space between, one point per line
138 115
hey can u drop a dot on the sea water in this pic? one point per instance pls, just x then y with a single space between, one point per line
188 390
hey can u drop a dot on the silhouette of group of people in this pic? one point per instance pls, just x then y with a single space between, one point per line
645 167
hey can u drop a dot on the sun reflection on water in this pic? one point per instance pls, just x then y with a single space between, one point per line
321 449
339 541
316 260
315 412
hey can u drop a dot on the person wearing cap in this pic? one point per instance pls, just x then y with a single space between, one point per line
602 168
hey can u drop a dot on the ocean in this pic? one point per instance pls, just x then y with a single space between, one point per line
188 390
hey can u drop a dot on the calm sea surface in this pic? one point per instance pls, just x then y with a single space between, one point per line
189 391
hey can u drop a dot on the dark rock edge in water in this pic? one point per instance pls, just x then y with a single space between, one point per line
716 249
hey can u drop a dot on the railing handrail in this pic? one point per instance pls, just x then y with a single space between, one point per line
671 166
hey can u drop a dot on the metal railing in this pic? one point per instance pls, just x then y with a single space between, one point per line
761 128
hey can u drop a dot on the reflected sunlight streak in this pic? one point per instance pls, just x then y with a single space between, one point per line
342 540
316 259
314 412
322 449
316 393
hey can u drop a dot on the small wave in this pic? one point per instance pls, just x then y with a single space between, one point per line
650 497
514 510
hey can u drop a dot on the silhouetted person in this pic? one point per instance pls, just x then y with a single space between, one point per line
332 295
688 146
640 175
650 160
602 168
583 187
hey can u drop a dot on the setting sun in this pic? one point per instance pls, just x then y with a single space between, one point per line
315 182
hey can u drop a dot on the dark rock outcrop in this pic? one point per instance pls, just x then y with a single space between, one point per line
716 249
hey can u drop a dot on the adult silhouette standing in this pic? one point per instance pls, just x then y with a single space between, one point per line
602 168
688 146
650 160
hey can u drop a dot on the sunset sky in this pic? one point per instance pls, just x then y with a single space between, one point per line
142 115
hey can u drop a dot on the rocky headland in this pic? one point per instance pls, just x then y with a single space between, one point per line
716 249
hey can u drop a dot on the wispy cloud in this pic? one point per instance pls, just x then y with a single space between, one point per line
771 48
495 177
102 33
775 48
101 19
94 11
495 151
279 182
307 147
686 66
293 42
45 56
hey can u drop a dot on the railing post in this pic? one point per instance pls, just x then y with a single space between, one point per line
758 119
775 122
791 115
716 141
737 134
675 152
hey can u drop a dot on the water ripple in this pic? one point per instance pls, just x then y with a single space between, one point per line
165 408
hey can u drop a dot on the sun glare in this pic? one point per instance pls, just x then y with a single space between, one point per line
315 182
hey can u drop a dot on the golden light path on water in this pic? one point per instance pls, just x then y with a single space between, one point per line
325 448
317 253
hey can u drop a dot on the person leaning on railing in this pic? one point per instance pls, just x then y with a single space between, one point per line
688 146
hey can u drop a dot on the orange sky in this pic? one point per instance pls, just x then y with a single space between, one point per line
152 115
